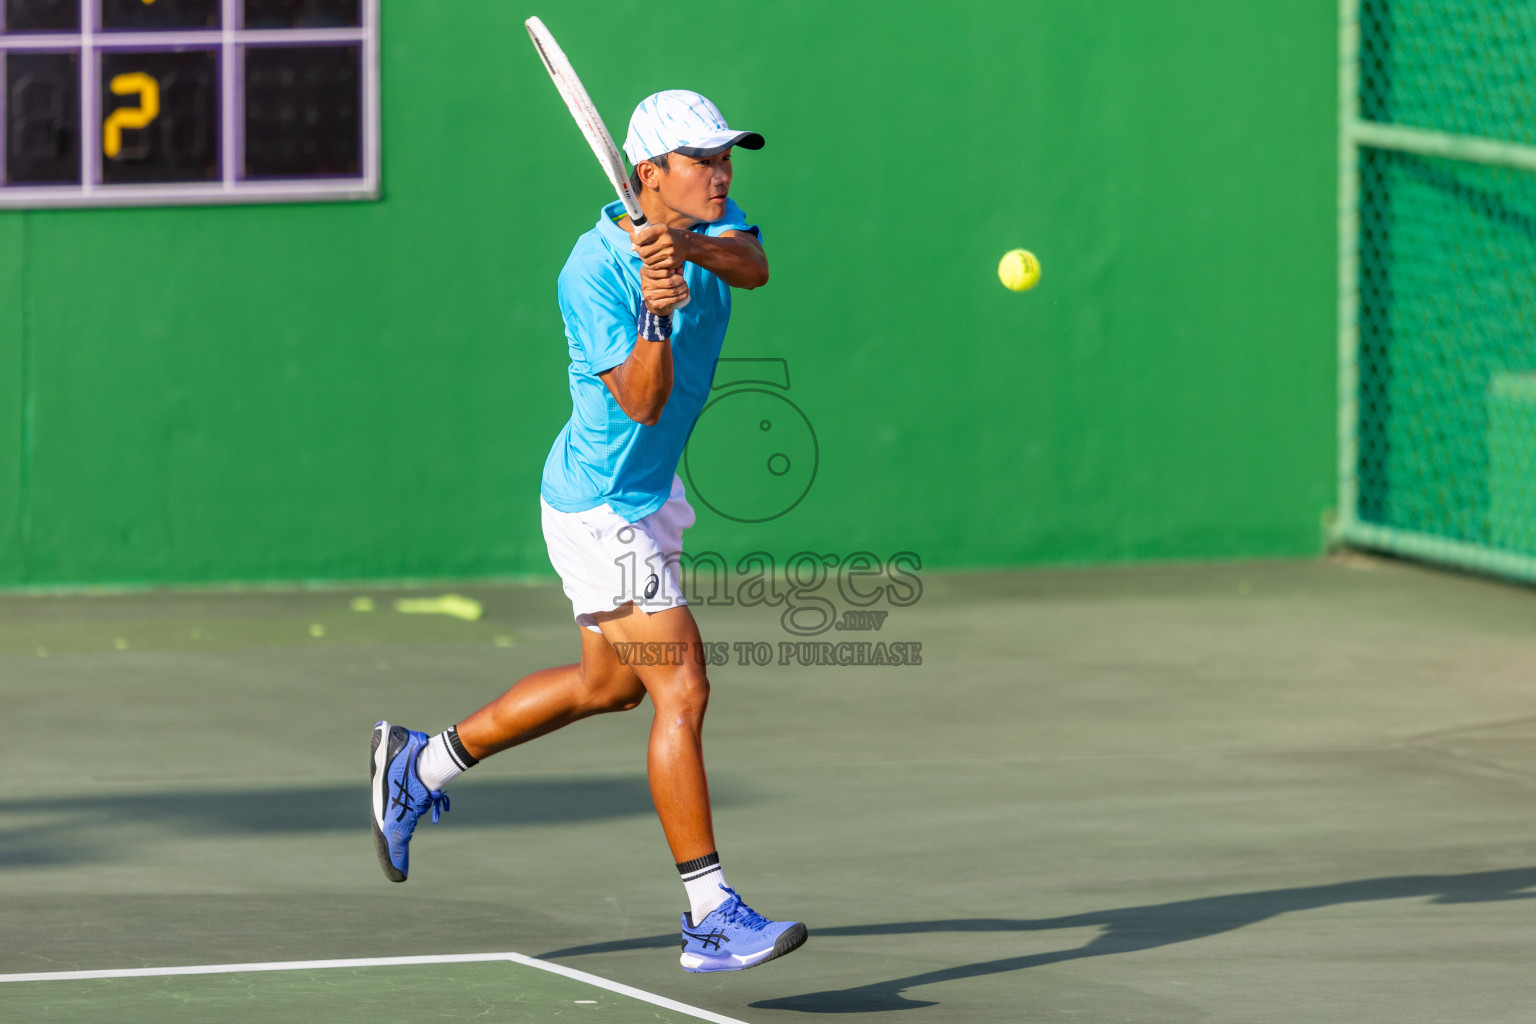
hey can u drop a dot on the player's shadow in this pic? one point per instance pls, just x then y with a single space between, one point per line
97 826
1125 930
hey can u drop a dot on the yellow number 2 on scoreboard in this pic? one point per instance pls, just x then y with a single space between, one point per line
140 116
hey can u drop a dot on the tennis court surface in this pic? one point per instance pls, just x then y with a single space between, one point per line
1256 793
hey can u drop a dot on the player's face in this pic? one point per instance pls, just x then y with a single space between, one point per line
697 186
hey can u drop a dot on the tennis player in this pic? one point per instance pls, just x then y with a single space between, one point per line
645 317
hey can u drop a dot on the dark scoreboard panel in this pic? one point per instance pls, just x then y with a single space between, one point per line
156 101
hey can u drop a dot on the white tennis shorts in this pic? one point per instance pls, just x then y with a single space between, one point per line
604 563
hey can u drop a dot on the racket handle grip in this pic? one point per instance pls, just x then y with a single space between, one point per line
637 221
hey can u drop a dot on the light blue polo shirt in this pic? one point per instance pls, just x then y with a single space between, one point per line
602 455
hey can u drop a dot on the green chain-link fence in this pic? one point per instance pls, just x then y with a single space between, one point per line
1438 280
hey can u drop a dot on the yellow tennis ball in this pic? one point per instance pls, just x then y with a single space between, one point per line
1019 271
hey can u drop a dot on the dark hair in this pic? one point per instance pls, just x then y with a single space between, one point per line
634 176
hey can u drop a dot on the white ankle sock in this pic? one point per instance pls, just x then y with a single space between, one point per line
703 877
444 759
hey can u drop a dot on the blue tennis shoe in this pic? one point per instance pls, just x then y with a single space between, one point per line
733 937
399 797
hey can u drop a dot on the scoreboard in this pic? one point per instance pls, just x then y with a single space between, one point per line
144 102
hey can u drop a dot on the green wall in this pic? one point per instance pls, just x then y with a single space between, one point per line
369 390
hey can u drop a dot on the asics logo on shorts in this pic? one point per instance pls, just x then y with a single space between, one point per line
651 586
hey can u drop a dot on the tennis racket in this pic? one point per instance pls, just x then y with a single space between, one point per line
591 125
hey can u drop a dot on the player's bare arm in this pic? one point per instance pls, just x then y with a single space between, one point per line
643 382
663 289
736 257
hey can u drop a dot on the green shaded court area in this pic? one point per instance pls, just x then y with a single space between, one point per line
501 992
1267 793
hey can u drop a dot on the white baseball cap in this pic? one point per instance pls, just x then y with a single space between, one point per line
679 121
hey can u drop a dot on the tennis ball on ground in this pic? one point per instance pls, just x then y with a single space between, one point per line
1019 270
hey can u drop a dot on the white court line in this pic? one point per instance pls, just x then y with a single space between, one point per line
381 961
